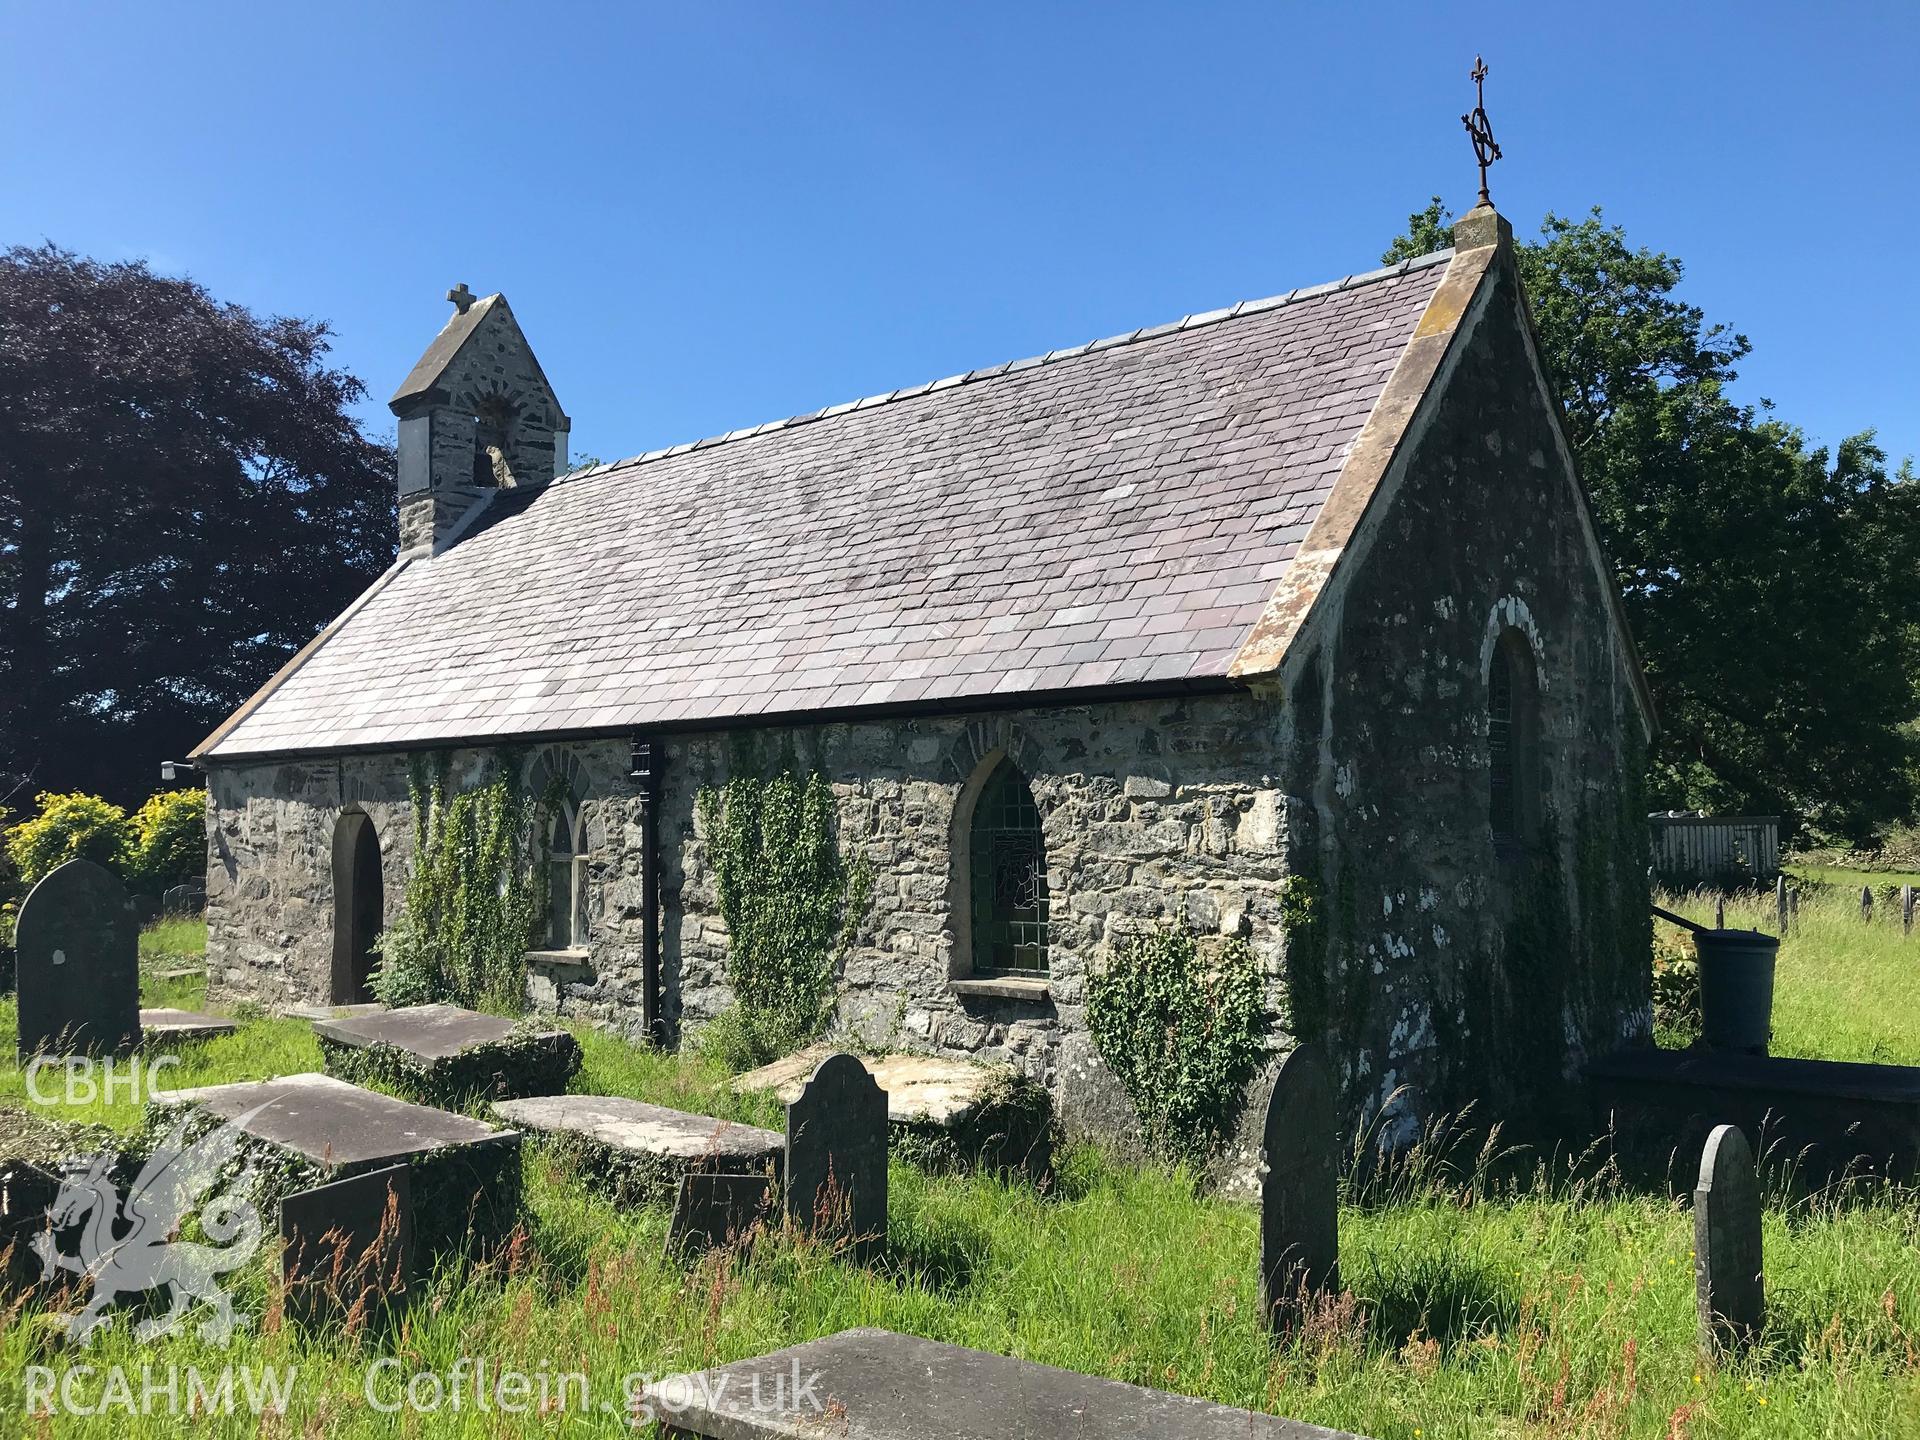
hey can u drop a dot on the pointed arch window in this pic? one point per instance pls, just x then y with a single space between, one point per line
1007 864
567 878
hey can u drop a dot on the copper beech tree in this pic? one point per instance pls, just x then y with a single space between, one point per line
185 499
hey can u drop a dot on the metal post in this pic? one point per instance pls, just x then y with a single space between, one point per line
1909 897
1793 908
1780 902
1866 903
1720 913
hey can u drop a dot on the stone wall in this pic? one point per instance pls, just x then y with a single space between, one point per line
1386 920
1444 966
270 891
1152 810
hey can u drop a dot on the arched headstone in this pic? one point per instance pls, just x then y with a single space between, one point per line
77 945
836 1170
1300 1189
1729 1284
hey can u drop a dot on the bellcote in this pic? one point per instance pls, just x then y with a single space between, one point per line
476 414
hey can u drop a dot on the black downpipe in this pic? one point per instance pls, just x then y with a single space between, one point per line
645 774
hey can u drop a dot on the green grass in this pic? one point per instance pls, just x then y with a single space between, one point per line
1843 990
1854 879
179 939
1544 1308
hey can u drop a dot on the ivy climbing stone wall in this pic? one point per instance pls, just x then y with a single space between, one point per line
1338 822
1154 811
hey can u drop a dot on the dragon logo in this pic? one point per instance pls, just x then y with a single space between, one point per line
130 1244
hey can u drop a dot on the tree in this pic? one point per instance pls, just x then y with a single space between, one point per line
170 842
1772 587
70 827
184 500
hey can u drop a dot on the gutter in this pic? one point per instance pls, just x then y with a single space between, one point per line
714 724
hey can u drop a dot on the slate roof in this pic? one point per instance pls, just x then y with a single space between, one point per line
1114 514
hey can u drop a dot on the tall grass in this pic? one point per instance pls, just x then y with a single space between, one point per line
1536 1315
1843 989
1491 1292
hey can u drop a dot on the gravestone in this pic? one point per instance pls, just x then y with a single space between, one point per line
448 1055
1300 1190
1729 1283
167 1024
715 1210
877 1385
347 1246
465 1174
27 1194
988 1116
78 948
637 1153
836 1171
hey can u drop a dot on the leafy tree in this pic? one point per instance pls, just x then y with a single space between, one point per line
1772 586
184 500
170 841
70 827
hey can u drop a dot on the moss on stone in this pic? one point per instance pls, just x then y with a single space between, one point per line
531 1061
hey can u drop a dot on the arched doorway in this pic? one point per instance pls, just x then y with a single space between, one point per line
359 904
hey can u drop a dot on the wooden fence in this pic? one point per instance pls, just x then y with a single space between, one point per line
1693 850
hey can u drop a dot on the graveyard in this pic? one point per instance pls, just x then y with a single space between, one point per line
1476 1289
1003 764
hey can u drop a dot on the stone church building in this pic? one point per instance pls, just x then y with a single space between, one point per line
1285 621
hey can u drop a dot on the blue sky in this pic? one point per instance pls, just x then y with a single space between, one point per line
711 215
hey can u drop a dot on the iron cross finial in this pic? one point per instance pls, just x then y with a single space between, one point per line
461 297
1485 148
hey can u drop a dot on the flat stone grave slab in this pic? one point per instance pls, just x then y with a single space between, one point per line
169 1024
921 1090
465 1173
638 1153
329 1012
935 1104
445 1055
876 1385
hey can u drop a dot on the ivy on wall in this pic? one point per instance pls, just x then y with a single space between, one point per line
1181 1028
472 909
791 903
1301 904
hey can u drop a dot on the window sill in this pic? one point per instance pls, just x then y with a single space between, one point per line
578 956
1003 987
